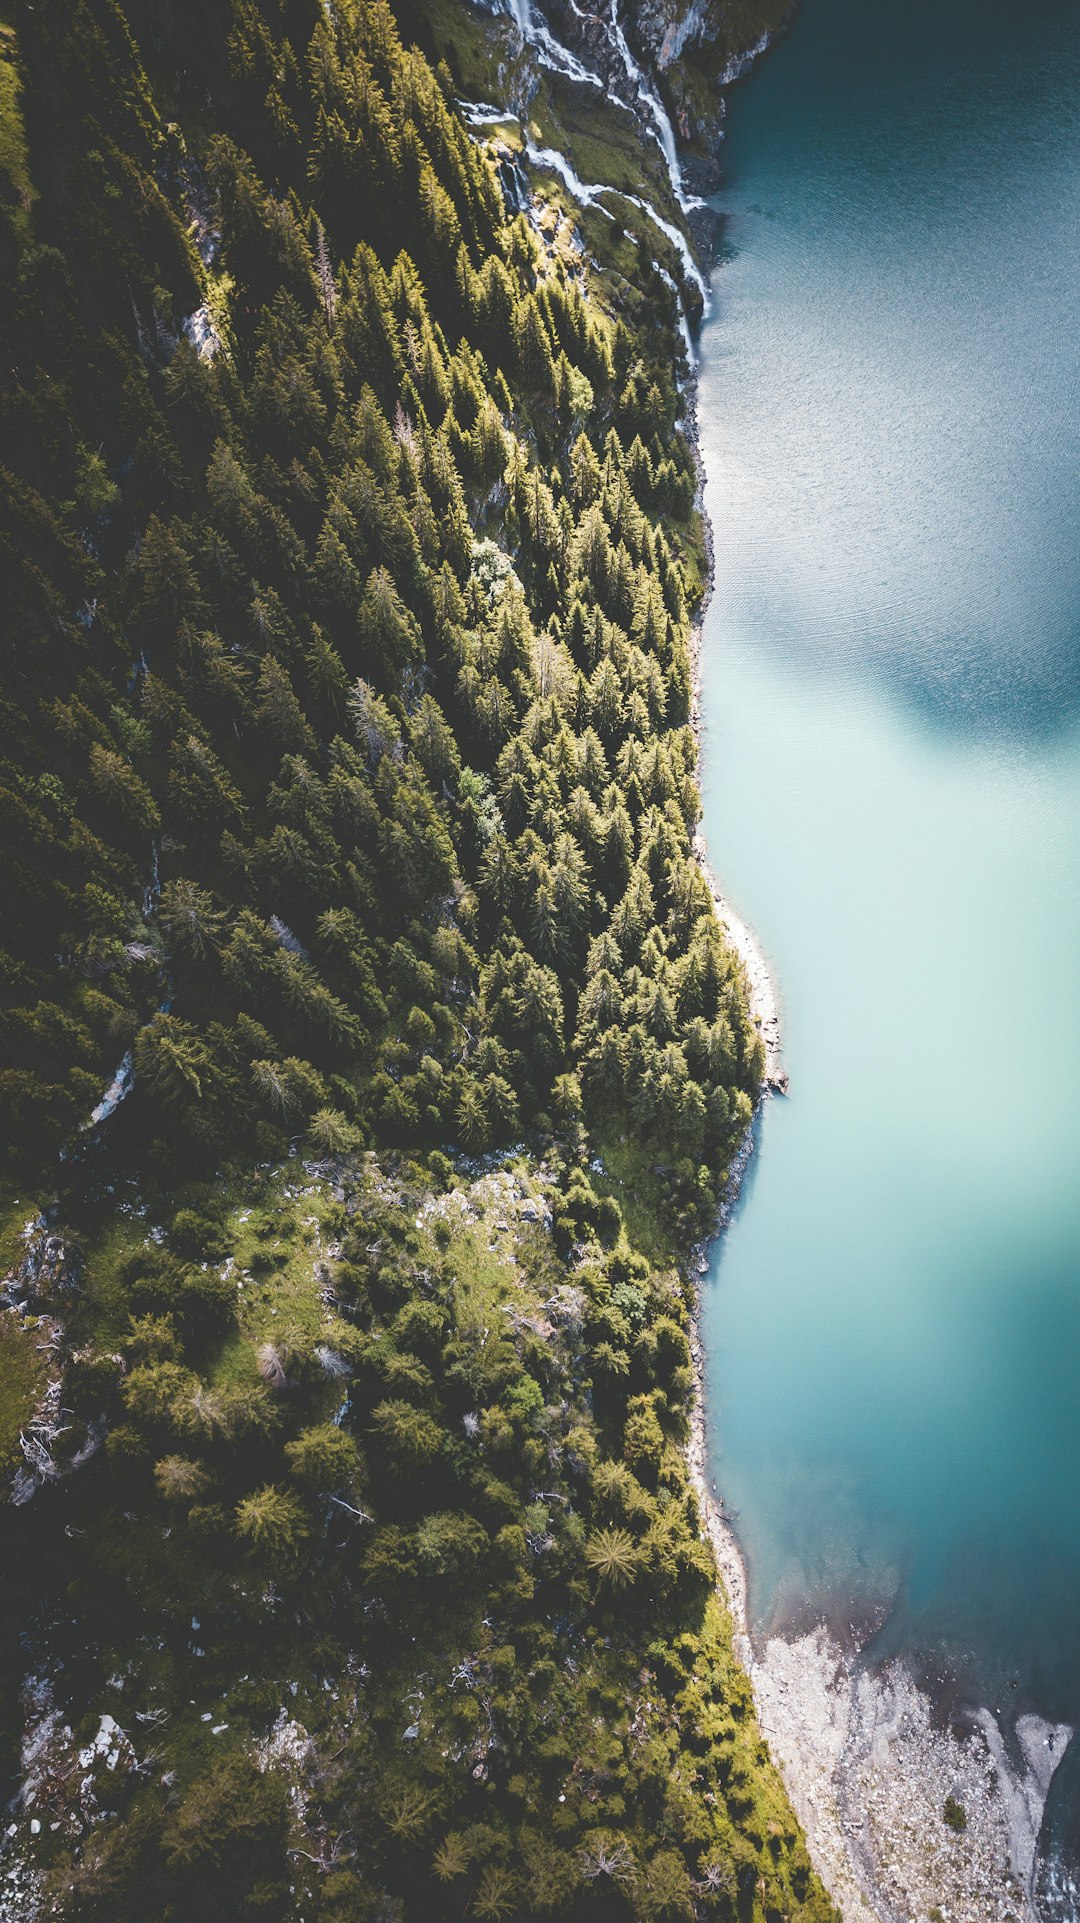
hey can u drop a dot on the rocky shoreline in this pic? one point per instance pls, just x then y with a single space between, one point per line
869 1769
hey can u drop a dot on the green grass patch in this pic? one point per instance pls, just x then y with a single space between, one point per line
473 48
603 142
22 1376
18 1207
630 1175
275 1241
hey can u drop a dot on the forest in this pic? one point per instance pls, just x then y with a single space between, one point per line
370 1053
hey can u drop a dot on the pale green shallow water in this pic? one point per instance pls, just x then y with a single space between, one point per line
890 416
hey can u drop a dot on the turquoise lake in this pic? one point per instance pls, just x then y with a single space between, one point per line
890 412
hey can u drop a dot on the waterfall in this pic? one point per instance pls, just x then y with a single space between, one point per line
200 330
124 1080
678 241
480 113
589 195
684 325
554 162
665 133
535 33
551 52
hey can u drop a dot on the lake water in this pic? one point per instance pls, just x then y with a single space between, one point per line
891 419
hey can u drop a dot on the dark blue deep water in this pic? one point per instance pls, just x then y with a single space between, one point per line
891 420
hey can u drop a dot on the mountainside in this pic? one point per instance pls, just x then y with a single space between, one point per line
371 1054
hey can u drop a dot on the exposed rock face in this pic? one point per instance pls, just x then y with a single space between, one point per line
688 51
669 29
50 1271
587 31
665 28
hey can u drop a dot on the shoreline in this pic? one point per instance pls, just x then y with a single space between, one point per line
860 1750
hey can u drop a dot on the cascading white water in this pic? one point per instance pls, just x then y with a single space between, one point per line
124 1080
551 53
665 133
554 162
590 194
480 113
678 241
684 325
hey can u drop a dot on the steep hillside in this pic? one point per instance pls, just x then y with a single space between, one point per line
371 1052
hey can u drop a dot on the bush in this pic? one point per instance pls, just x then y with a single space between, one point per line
206 1303
955 1814
197 1237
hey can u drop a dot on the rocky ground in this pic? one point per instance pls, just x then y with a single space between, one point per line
869 1772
